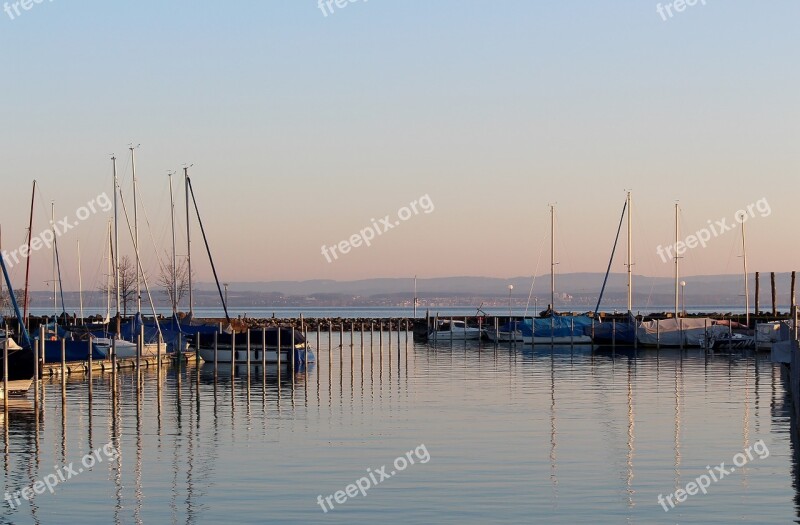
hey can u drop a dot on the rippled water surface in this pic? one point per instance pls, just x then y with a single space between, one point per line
496 435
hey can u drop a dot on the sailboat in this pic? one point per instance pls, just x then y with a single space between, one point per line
126 347
556 329
678 331
619 332
738 340
20 365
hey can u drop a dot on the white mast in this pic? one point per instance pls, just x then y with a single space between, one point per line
136 235
115 247
552 259
174 260
677 283
55 262
188 242
630 276
80 282
746 285
109 276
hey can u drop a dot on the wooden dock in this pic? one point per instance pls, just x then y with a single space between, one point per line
102 365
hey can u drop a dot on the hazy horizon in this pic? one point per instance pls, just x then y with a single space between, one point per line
303 130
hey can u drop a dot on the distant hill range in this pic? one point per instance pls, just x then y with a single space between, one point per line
581 289
576 291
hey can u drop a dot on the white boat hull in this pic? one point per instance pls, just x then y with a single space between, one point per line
270 356
565 340
126 349
504 337
17 387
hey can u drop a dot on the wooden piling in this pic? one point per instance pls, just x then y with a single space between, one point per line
774 294
757 293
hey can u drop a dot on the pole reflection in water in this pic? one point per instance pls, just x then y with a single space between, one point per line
206 452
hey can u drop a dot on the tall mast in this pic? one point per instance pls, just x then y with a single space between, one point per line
188 241
746 285
630 276
115 247
552 259
80 282
677 272
55 262
174 260
26 300
109 274
136 234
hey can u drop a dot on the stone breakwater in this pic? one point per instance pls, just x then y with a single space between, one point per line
336 324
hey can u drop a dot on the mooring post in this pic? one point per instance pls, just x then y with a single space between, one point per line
158 360
658 335
36 345
233 355
248 355
63 361
5 372
264 350
613 333
292 350
451 330
572 331
216 351
41 338
140 347
90 359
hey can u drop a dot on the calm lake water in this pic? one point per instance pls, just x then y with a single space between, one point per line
505 435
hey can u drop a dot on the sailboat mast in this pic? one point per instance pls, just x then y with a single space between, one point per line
109 275
630 254
746 284
174 260
115 247
188 241
136 234
26 299
80 282
55 262
677 269
552 259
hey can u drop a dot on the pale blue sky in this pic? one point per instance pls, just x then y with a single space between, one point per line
303 127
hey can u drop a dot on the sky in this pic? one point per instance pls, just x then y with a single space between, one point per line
307 125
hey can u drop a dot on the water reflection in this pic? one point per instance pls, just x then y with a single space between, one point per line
180 430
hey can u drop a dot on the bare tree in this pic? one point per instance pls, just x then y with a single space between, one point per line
127 283
167 282
6 308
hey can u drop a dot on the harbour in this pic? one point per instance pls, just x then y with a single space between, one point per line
359 406
406 263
